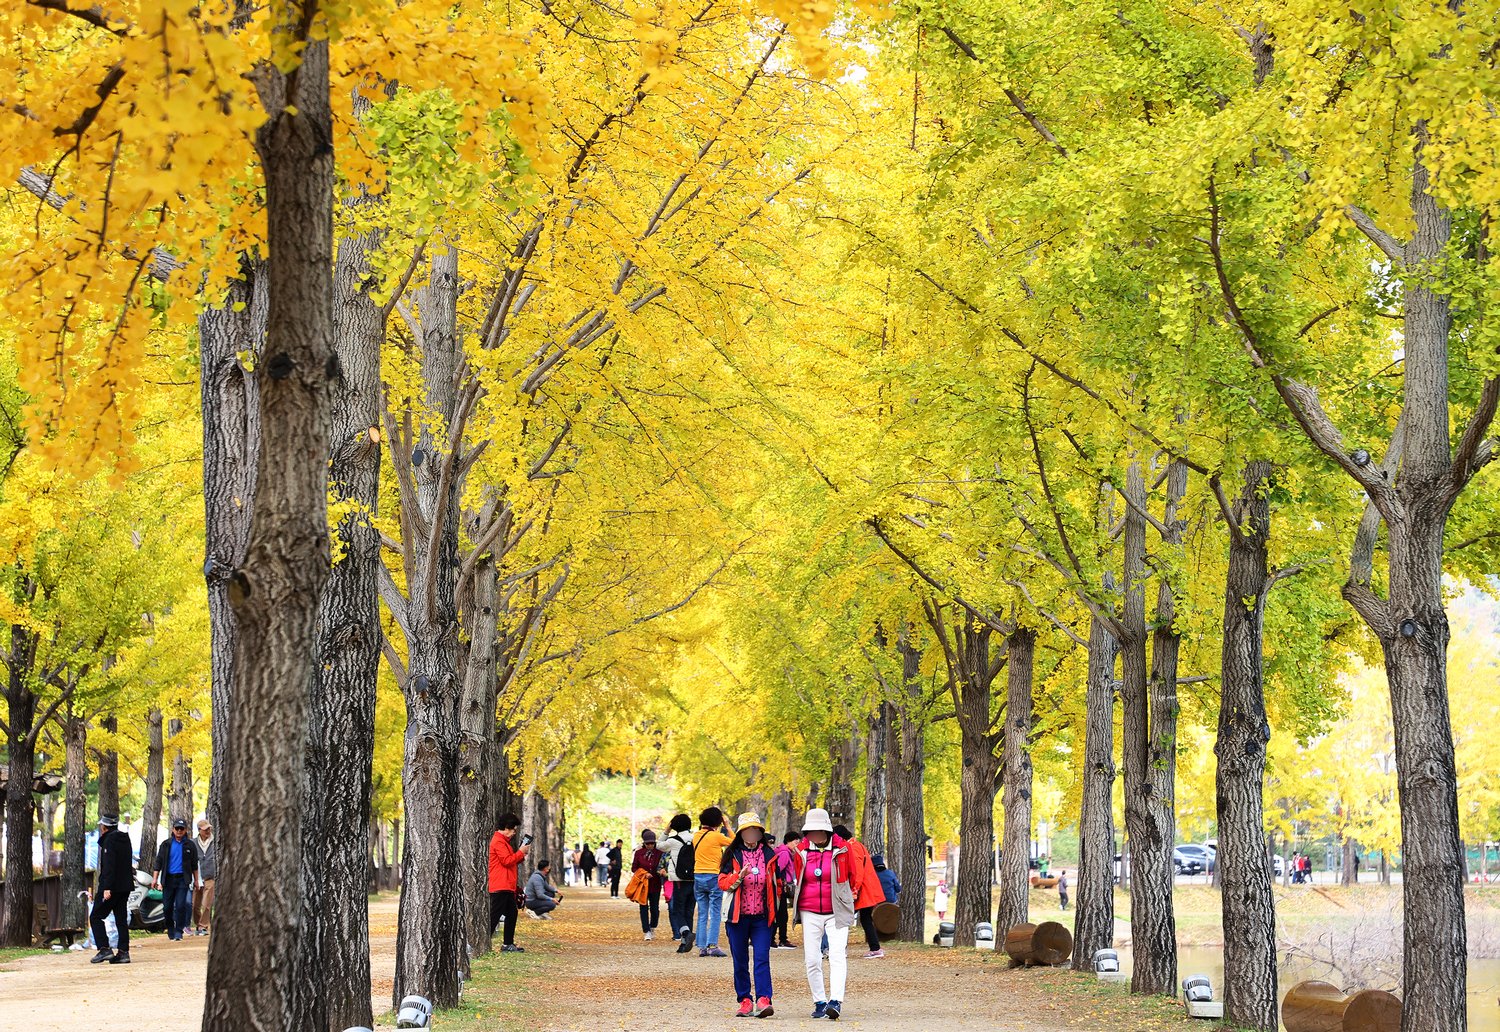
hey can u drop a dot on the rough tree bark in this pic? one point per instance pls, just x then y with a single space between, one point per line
275 592
75 817
477 750
155 776
907 833
108 760
334 944
1094 918
20 739
1015 848
430 939
872 816
180 799
231 447
1249 907
843 755
1153 930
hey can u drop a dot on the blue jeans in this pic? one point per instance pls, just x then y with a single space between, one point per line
177 896
751 934
710 902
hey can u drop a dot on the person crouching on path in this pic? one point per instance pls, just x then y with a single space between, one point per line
825 906
748 874
504 859
542 896
868 892
648 858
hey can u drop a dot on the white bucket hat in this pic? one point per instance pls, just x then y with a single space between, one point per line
817 820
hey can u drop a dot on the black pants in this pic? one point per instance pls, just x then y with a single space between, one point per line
503 904
783 912
614 880
119 905
651 910
867 922
681 909
1062 898
588 874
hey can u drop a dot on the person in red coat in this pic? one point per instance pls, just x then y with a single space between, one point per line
868 892
504 859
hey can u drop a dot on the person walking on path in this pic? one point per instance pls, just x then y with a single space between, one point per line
616 866
786 874
116 879
868 892
208 871
940 900
649 859
825 906
708 852
1062 888
586 862
504 859
680 874
748 874
542 896
177 877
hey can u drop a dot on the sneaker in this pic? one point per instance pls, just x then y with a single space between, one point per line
512 949
650 936
684 948
875 955
123 957
102 956
688 938
702 953
716 952
763 1008
820 1009
832 1010
747 1009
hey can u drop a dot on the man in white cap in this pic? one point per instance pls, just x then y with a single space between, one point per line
116 879
825 906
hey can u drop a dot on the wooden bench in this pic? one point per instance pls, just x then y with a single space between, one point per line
44 936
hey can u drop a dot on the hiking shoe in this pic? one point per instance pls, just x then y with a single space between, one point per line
716 952
820 1009
747 1009
832 1010
763 1008
123 957
688 938
684 948
102 956
875 955
512 949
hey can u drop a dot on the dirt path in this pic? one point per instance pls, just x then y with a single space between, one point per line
605 976
590 971
161 990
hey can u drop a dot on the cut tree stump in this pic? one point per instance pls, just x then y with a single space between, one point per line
1044 945
1321 1007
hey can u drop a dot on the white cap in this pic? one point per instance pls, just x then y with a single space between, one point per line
817 820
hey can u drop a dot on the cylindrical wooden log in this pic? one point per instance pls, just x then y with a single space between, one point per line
1048 943
1373 1010
887 918
1313 1007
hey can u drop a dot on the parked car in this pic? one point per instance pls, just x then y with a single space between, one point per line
1204 855
1185 862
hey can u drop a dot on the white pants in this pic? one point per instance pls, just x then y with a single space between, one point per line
814 927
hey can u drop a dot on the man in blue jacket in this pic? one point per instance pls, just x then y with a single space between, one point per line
177 877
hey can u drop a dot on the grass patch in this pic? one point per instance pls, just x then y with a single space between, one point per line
13 953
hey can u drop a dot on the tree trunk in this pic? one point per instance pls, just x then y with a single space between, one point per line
108 760
15 921
75 818
477 711
228 335
151 808
180 801
1243 862
872 817
779 821
275 593
1153 930
908 767
1015 849
1094 918
843 754
1347 875
336 801
429 944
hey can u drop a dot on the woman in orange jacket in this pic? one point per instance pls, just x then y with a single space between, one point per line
868 892
748 871
504 859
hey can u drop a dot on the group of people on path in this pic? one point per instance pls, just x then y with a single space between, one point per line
753 887
608 862
186 869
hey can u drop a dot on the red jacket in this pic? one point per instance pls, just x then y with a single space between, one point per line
504 859
868 891
731 870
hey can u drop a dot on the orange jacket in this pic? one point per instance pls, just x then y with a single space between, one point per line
504 859
868 891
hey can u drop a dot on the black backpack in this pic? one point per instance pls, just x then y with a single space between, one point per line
687 859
